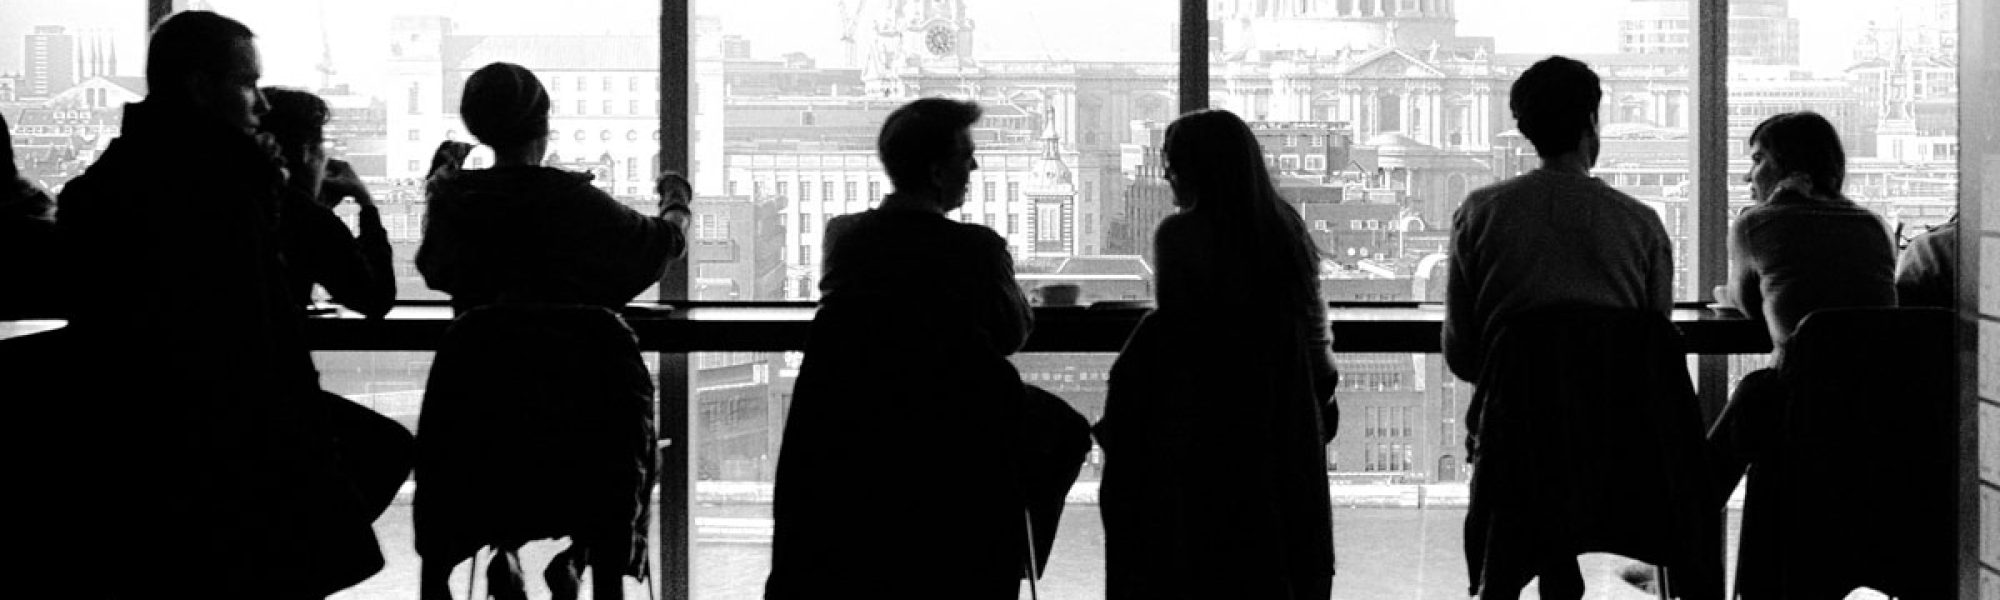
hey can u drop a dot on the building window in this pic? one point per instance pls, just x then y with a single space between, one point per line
805 224
874 191
805 255
416 166
415 104
1013 223
632 84
986 191
711 227
582 107
631 168
782 185
582 85
416 135
607 108
852 190
826 190
1013 192
607 83
805 191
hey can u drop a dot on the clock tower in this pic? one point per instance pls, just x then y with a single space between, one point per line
917 36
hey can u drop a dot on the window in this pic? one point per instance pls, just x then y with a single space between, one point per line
631 168
711 227
781 188
805 254
632 107
1013 223
582 107
851 189
986 191
416 135
806 224
874 191
805 191
826 190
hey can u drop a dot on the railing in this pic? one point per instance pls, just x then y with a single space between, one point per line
776 326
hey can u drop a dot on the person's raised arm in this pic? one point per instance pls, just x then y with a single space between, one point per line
357 270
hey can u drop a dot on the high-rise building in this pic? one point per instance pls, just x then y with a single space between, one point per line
1761 32
48 62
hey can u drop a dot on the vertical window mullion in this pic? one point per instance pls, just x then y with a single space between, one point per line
1194 55
1711 173
676 492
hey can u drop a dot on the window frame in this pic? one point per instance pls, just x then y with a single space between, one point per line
1709 20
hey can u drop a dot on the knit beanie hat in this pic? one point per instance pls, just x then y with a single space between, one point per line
505 105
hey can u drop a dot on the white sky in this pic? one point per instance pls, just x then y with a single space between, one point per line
290 37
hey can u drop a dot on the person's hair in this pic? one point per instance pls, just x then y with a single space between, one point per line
297 119
505 106
1803 143
8 170
1214 154
920 134
191 42
1554 102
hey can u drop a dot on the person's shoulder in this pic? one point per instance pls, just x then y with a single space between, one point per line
980 235
1177 228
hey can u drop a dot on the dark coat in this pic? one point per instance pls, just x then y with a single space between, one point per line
537 234
1587 437
357 270
537 424
1823 514
911 452
171 242
30 261
1215 463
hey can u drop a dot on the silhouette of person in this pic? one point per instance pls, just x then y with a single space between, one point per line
523 232
356 270
1804 246
537 370
175 262
1927 271
1552 238
907 370
27 240
1230 379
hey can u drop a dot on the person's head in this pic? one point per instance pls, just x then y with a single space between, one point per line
506 107
926 147
1216 168
1795 144
205 63
297 121
1555 105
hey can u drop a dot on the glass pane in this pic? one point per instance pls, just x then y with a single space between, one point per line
392 72
1379 116
787 110
1885 75
66 71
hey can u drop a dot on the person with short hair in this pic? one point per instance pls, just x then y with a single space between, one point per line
247 466
1552 238
356 270
1555 235
1804 246
907 366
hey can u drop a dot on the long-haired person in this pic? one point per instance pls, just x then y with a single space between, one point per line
1221 404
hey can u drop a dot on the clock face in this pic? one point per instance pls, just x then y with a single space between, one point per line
939 40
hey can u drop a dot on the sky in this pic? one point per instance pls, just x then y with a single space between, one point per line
290 35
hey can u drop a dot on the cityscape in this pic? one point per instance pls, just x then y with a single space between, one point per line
1376 117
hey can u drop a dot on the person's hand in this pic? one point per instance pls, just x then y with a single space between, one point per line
268 145
676 194
1722 298
341 181
449 157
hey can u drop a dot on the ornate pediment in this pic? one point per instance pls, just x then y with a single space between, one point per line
1390 63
